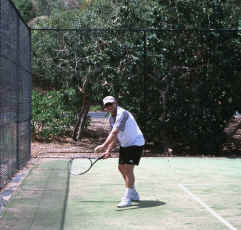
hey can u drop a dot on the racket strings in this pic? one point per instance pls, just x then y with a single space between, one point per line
80 165
78 162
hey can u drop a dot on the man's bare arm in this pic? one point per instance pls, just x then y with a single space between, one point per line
109 142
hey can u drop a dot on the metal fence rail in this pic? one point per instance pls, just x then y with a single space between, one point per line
15 91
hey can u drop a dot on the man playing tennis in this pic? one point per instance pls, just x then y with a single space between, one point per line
130 137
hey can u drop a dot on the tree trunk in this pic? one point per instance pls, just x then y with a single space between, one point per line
81 123
83 115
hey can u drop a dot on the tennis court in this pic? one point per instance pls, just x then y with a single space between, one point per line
176 193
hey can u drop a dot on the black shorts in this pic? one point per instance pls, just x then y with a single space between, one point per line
130 155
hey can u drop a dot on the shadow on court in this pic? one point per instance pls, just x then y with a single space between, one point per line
143 204
134 205
40 201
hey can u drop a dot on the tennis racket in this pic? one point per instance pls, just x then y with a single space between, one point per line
83 165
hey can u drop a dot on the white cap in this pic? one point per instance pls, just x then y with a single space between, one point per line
108 99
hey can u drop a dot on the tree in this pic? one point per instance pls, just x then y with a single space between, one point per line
201 69
26 9
73 59
181 74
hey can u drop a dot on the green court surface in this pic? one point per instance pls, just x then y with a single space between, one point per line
176 193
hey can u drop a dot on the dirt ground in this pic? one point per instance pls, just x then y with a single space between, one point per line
95 135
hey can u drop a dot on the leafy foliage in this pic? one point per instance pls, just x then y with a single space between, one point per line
182 76
51 116
199 70
26 8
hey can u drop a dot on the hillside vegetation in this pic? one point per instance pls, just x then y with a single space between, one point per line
181 79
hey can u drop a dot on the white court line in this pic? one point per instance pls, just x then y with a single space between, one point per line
211 211
208 185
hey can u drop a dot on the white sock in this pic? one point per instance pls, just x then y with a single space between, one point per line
129 191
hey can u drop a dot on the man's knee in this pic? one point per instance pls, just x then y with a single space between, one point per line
126 169
121 168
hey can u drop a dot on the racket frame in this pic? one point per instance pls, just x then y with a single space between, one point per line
92 163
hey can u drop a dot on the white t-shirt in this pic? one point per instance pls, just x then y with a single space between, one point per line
129 132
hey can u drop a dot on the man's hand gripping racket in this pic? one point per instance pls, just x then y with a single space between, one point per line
100 148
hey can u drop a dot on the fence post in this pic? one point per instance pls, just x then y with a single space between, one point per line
30 106
144 85
18 99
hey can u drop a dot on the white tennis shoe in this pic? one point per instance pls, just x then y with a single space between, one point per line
125 202
130 195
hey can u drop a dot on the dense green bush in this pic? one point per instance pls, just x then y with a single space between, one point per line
200 71
51 116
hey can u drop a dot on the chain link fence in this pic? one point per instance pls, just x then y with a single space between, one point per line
15 91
